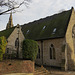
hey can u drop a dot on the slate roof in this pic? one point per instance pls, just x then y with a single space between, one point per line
54 26
7 32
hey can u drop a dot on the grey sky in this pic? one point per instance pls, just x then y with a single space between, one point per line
37 9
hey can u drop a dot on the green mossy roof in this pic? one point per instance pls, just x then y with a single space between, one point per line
7 32
35 31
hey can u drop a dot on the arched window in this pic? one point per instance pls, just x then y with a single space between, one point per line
52 52
38 55
0 41
16 43
7 50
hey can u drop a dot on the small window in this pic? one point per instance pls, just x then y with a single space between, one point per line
38 55
27 32
44 27
52 52
54 31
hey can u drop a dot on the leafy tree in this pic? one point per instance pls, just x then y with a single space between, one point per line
29 49
11 5
3 44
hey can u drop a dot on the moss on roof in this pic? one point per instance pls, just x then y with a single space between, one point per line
6 32
50 27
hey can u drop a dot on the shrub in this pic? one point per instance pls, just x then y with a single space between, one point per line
3 44
9 56
29 49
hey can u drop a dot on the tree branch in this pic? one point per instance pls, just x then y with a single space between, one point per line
8 10
12 5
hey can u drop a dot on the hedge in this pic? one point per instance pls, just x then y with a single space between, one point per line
29 49
3 44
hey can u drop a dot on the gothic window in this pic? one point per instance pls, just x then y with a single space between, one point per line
52 52
0 41
38 55
7 50
7 41
73 31
16 43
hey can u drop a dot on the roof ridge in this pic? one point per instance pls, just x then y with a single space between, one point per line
58 21
48 17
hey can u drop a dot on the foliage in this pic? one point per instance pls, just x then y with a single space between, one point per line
3 44
29 49
9 56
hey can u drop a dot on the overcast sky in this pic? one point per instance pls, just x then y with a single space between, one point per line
37 9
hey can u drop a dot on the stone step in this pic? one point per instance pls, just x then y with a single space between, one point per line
41 71
42 74
44 71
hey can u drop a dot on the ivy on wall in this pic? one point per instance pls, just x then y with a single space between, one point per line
3 44
29 49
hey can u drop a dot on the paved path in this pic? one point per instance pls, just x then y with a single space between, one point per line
49 71
62 73
19 74
45 71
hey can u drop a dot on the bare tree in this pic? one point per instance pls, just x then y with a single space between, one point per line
11 5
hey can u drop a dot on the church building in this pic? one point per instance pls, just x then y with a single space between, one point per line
55 36
14 38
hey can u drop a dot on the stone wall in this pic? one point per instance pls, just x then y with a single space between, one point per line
64 59
39 61
70 43
16 66
58 43
12 38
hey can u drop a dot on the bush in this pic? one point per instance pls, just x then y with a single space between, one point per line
29 49
3 44
9 56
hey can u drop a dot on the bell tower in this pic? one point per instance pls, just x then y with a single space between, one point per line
10 22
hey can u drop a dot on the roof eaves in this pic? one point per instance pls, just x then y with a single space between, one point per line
7 32
49 38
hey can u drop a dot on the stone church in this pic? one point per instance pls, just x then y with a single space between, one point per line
55 36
